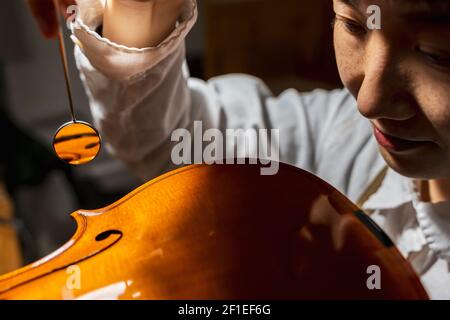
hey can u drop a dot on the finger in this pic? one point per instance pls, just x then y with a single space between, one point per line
44 13
63 5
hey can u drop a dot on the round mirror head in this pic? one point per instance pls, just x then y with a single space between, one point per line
77 143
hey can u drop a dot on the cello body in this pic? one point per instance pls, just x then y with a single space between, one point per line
221 232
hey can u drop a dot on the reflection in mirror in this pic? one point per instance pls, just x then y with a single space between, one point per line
77 143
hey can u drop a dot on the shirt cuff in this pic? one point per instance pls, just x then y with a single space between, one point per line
118 61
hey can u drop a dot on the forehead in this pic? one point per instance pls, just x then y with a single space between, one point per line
432 7
406 5
432 11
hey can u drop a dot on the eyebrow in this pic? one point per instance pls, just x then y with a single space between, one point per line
417 11
353 3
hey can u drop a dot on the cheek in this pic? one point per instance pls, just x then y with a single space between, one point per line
349 61
431 90
435 105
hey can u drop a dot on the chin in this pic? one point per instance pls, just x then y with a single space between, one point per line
421 166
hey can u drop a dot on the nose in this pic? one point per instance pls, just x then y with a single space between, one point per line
383 93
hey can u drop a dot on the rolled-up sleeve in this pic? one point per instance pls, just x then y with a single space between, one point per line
137 96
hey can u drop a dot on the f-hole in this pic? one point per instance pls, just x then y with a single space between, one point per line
106 234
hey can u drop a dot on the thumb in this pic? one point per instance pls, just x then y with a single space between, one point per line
45 14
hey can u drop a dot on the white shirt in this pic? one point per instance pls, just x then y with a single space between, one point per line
139 96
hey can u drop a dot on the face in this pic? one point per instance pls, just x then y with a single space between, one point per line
400 77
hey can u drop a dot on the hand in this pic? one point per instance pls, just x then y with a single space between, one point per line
45 15
140 23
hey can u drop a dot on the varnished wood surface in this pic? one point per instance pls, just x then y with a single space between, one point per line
220 232
77 143
10 253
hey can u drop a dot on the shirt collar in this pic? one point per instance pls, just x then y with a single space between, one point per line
394 191
434 221
410 222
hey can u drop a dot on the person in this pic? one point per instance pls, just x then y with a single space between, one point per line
393 112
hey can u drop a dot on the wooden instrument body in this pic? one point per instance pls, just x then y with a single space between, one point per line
10 254
220 232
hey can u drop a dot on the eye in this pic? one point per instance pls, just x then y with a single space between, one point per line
435 58
352 27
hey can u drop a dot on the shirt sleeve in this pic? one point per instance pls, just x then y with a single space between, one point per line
137 96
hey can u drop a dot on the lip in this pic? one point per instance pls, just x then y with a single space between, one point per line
396 144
